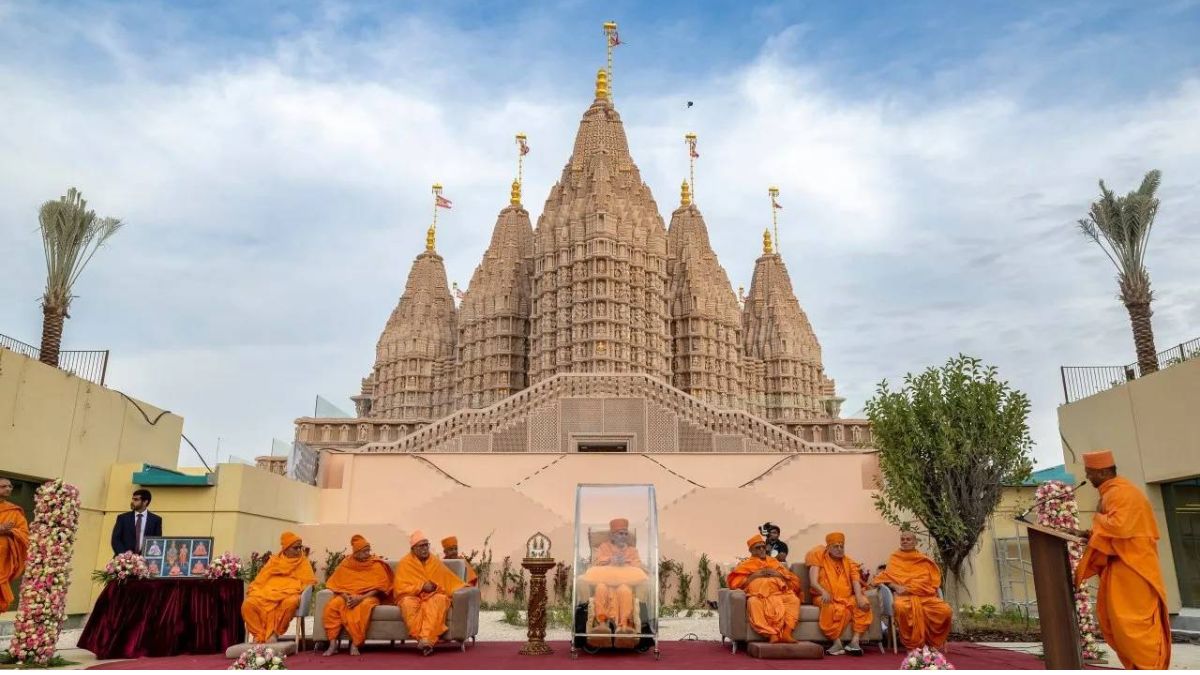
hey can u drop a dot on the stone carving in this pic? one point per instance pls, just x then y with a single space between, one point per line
602 288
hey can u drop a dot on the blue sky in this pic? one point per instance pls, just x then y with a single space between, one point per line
273 163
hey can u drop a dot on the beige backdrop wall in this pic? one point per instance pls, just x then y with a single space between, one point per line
55 425
707 503
1151 426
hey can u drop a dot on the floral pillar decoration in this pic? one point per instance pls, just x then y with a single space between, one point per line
43 605
1059 509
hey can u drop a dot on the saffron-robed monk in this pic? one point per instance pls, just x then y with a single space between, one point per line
422 587
360 583
1122 549
615 570
837 591
274 595
922 618
772 603
14 543
450 552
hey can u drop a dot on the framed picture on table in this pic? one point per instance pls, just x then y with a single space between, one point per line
177 557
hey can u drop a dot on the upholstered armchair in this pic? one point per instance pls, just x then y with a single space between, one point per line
387 623
735 626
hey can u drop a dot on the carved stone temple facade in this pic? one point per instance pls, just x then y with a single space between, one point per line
603 328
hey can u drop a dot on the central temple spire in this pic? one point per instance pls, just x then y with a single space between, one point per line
600 280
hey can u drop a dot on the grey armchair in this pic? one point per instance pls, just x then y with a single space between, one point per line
387 623
735 626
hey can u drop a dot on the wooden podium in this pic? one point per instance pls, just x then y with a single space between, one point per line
1053 581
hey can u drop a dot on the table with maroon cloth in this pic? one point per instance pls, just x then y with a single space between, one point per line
165 617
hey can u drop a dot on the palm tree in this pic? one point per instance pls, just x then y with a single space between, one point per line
71 234
1121 227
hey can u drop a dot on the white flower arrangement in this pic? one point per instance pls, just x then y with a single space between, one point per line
260 657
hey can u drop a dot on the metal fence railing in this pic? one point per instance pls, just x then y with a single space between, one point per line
1083 381
90 365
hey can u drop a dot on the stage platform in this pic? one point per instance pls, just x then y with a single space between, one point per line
691 655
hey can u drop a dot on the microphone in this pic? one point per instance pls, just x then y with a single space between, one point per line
1050 499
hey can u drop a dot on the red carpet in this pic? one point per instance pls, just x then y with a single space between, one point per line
675 655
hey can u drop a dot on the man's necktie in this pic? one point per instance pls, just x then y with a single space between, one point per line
138 530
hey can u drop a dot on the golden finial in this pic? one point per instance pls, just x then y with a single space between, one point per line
430 234
685 194
601 84
767 242
514 197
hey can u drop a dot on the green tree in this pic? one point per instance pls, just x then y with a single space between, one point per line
1121 226
948 442
71 234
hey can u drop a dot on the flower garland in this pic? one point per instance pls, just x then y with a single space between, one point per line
1058 509
125 566
260 657
925 658
43 606
228 566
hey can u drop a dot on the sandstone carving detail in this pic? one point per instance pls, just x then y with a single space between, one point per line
600 299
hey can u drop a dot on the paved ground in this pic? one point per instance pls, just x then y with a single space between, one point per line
493 629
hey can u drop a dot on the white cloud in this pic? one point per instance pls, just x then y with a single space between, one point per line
275 203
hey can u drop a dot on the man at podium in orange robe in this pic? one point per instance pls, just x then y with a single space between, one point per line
358 584
772 603
274 596
616 568
1122 549
422 587
14 543
450 552
836 589
922 618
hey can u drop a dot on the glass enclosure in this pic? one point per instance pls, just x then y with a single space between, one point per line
615 594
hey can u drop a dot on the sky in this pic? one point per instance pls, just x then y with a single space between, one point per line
272 162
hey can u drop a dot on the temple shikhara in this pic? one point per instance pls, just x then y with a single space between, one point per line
603 345
603 328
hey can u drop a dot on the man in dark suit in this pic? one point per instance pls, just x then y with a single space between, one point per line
133 527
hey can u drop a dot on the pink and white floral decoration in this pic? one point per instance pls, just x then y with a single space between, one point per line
1059 509
43 605
227 566
926 658
123 567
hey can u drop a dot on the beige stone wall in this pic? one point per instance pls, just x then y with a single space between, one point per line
1150 425
707 503
55 425
981 582
244 511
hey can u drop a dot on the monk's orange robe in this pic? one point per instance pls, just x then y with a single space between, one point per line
424 613
922 618
472 576
612 596
837 577
355 577
772 603
1131 605
14 545
274 596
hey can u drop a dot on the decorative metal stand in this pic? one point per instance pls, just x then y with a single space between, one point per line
538 563
537 606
